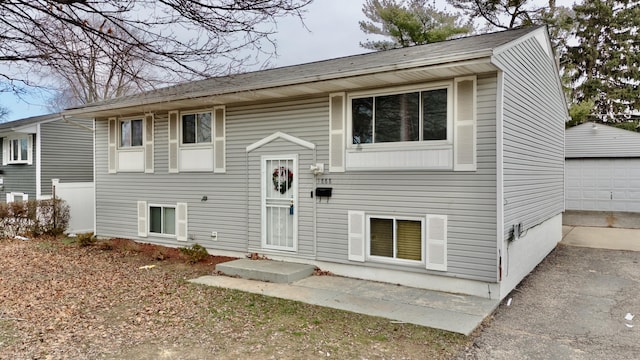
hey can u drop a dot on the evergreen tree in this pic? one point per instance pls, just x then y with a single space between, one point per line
605 64
408 23
507 14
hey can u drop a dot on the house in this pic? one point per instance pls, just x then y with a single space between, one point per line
602 169
38 149
438 166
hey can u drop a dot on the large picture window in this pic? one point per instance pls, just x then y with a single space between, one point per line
395 238
162 220
196 128
401 117
130 133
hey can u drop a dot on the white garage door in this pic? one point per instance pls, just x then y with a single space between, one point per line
602 184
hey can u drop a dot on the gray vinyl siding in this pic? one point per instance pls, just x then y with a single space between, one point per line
233 208
534 116
225 211
467 198
306 120
67 153
585 141
19 177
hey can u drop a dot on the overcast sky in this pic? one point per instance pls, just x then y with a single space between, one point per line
333 32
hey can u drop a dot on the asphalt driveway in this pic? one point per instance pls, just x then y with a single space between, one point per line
580 303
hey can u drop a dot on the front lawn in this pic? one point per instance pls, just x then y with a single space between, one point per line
122 300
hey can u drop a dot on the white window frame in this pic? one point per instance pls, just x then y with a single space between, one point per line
9 149
181 126
403 144
393 260
162 206
11 196
129 120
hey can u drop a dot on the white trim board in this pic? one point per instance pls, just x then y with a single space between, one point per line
280 135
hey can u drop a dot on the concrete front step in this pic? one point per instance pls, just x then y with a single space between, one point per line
266 270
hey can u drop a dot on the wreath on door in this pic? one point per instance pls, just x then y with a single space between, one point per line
282 179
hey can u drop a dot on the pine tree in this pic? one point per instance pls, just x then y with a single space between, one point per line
605 64
407 23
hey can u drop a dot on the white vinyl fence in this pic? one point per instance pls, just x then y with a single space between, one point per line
81 200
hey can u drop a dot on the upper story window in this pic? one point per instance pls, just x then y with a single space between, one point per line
131 134
19 150
411 116
196 128
130 144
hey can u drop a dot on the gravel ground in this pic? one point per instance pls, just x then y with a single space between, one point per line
579 303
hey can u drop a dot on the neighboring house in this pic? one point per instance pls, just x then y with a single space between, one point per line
602 171
438 166
38 149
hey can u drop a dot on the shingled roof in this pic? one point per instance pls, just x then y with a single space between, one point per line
21 123
456 50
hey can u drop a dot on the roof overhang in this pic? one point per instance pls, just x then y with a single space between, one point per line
381 76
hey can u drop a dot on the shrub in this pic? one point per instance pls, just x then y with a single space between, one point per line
34 217
195 253
86 239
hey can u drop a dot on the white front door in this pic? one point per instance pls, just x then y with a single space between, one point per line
280 202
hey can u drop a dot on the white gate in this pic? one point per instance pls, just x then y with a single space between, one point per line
81 200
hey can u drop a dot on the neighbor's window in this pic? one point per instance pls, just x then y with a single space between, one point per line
162 220
395 238
19 150
130 133
410 116
196 128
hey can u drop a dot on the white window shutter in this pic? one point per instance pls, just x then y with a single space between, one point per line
337 111
143 212
148 143
30 149
173 141
181 222
219 141
464 131
356 236
437 242
5 153
113 144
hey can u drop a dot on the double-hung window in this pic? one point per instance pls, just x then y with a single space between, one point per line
409 116
131 133
162 219
19 150
196 128
392 238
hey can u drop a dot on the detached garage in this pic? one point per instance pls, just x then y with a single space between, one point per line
602 169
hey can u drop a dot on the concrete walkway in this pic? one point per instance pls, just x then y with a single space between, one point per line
601 237
451 312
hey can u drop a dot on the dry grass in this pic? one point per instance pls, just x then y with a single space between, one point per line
62 301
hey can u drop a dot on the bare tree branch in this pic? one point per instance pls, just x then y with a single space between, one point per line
180 39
